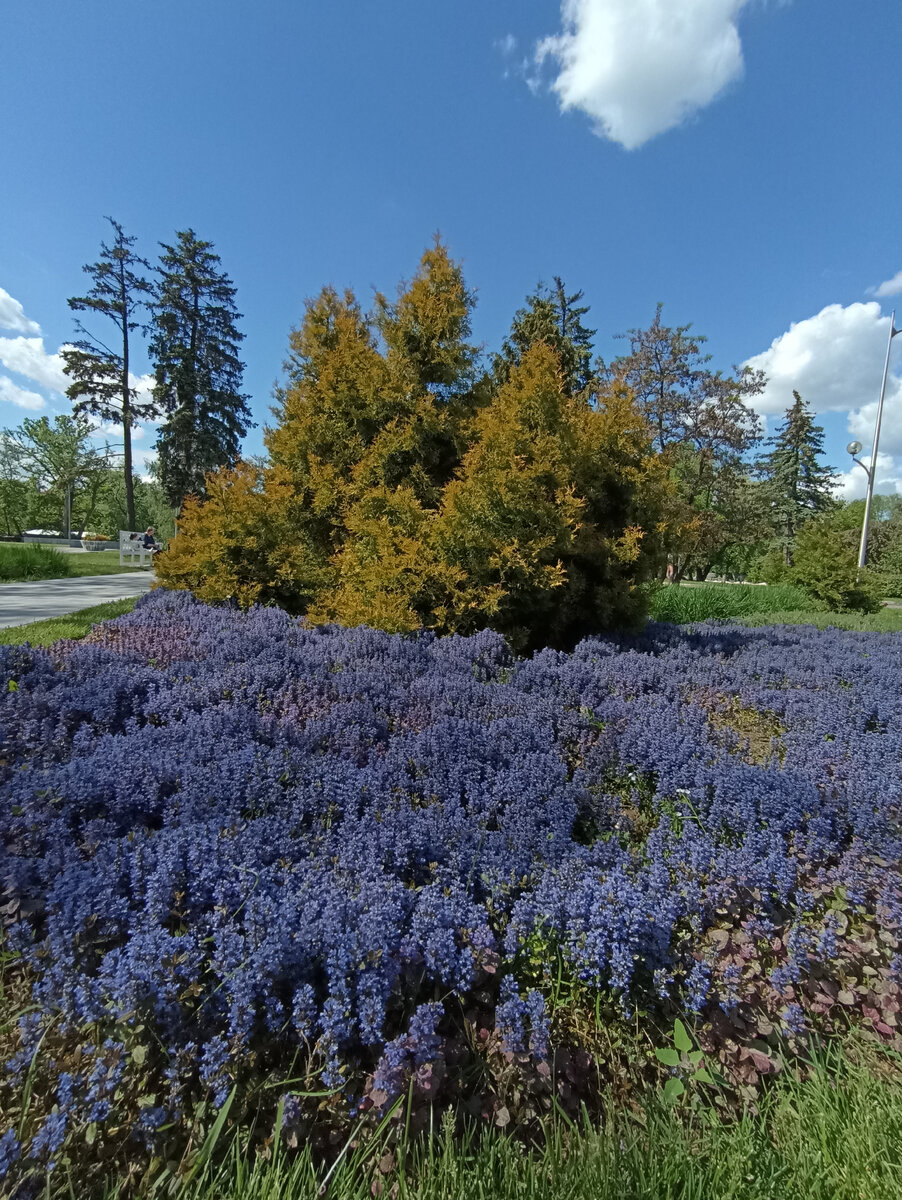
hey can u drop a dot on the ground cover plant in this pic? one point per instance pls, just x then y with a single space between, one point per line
72 625
23 563
295 876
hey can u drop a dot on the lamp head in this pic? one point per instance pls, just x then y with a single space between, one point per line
854 448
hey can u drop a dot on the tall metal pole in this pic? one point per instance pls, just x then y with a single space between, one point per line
872 473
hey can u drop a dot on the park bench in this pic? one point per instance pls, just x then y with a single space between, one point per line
131 549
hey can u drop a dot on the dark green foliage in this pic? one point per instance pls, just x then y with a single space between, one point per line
552 317
194 347
100 375
771 567
796 485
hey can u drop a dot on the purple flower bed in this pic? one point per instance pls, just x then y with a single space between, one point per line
252 840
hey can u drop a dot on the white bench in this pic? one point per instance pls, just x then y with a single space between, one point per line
131 549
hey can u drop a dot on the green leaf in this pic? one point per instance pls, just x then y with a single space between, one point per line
12 686
139 1053
702 1076
673 1089
696 1057
91 1133
681 1038
668 1057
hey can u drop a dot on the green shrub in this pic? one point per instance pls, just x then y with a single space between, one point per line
723 601
772 568
33 561
890 583
826 566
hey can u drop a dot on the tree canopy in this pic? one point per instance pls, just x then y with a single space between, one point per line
101 382
194 347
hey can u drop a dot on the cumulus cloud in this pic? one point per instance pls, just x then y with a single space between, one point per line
640 67
889 287
852 485
12 315
27 356
13 394
834 360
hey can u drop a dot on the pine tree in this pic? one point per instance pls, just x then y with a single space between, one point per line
553 317
797 487
100 373
701 423
194 348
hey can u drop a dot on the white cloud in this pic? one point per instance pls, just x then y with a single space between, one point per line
13 394
640 67
834 360
853 484
12 316
27 356
507 45
889 287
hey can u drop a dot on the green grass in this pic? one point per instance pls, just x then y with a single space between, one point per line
835 1136
888 620
24 563
72 625
724 601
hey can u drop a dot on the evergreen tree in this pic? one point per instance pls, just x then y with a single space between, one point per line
334 403
194 347
554 515
400 492
553 317
796 485
99 372
702 425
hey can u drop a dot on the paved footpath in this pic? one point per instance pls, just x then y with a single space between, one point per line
22 603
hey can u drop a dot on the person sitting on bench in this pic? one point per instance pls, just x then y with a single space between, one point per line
150 542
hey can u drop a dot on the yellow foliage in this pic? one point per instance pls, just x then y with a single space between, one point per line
404 493
245 542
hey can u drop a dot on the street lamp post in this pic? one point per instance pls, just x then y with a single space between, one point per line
854 448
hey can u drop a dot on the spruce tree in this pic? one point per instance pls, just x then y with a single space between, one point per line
194 347
100 373
555 318
797 487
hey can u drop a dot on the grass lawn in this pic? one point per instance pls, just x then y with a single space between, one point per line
71 625
888 620
835 1136
100 562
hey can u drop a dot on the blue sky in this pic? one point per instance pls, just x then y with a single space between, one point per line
737 160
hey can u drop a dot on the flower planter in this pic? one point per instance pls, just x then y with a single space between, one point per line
91 545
